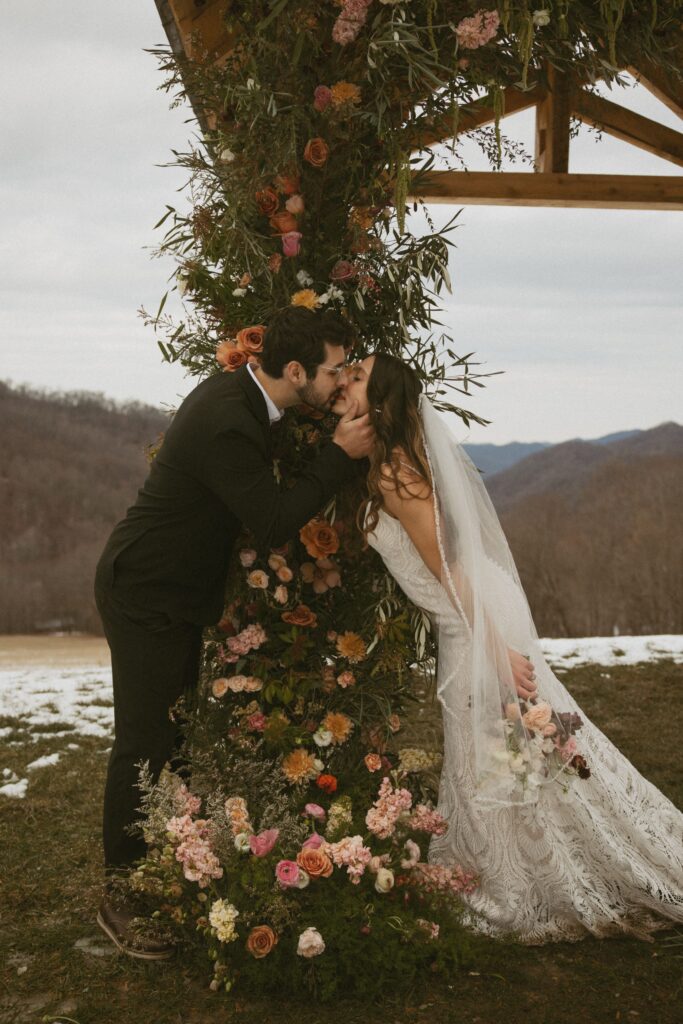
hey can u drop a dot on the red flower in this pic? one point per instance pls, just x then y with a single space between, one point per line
327 783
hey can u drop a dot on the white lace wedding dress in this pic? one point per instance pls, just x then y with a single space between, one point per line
606 859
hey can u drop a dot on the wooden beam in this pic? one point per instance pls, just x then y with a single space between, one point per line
590 191
478 114
201 27
628 126
668 90
552 124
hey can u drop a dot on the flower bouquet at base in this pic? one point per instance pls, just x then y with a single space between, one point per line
285 894
541 744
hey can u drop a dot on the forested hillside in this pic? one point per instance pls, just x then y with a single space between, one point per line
594 526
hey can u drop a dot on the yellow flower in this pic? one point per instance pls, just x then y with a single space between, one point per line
345 92
299 766
306 297
351 646
339 725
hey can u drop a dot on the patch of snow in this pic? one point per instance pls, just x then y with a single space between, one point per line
43 762
568 652
15 790
42 697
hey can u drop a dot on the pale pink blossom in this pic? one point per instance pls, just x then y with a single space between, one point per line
276 561
295 204
424 819
219 688
247 557
437 878
281 595
345 679
478 30
264 842
315 811
185 802
250 639
285 574
568 749
382 817
256 722
350 853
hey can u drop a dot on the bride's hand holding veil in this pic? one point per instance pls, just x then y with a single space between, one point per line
412 507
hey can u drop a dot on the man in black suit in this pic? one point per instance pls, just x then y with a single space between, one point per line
162 575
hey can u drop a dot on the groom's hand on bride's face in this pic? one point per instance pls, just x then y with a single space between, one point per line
354 433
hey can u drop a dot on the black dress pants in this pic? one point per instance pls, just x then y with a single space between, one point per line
154 661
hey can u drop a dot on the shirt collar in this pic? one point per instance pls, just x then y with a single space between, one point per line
274 414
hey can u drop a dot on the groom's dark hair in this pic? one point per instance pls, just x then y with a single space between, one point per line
298 333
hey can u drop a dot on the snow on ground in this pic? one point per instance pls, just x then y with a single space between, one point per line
47 701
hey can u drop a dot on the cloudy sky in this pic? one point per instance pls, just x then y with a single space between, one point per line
580 308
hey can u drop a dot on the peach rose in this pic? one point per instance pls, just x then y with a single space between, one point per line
301 616
538 716
285 574
319 538
373 762
316 152
258 579
274 262
283 222
219 688
245 280
267 201
314 862
295 205
276 561
281 595
229 356
250 339
261 940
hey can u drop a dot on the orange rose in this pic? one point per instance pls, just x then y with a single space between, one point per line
327 783
316 863
229 356
301 616
261 940
267 201
250 339
283 222
316 152
319 538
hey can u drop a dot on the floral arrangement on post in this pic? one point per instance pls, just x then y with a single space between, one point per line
310 863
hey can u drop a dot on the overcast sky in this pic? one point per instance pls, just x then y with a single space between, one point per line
580 308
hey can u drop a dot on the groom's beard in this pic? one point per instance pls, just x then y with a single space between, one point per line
308 395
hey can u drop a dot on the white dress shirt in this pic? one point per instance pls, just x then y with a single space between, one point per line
274 414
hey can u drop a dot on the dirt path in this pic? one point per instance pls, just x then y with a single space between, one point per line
60 651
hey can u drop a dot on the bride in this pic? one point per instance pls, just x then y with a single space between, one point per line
567 838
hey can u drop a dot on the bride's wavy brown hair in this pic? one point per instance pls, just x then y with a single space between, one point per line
393 396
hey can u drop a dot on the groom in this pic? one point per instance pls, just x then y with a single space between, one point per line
162 575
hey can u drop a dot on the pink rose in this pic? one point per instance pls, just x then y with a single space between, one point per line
343 270
315 811
264 842
287 873
313 842
322 97
247 557
291 242
568 750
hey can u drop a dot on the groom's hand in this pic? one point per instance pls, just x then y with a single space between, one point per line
354 435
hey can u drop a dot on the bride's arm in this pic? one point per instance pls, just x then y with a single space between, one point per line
413 507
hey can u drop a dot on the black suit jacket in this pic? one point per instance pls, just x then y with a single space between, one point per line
213 473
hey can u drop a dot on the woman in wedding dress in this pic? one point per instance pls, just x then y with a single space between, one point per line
567 838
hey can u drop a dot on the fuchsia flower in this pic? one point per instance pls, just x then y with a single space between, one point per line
314 842
264 842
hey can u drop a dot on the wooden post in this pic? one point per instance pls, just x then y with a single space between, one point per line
552 124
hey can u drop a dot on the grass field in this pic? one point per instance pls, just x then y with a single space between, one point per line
55 965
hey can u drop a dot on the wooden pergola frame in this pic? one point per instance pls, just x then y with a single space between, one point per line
197 25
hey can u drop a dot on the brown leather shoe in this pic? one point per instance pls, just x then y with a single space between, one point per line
116 921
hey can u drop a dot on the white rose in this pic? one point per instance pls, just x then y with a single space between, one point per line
541 18
547 746
242 842
304 279
227 156
318 764
239 292
322 737
385 880
310 943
